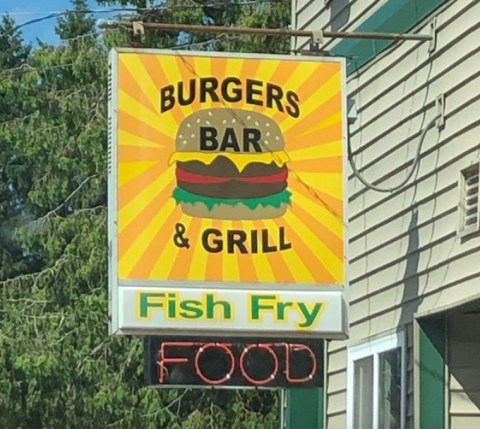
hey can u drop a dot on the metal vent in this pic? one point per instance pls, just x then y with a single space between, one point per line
469 204
471 199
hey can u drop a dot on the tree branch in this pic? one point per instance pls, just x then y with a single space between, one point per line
73 193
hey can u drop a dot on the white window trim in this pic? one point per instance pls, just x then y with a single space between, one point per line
375 347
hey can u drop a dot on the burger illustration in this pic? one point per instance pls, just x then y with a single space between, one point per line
231 164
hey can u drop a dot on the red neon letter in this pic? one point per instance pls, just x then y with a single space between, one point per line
266 347
296 348
227 351
163 361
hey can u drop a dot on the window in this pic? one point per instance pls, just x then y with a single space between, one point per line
376 384
468 206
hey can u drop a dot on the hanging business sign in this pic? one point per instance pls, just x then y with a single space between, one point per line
216 362
227 188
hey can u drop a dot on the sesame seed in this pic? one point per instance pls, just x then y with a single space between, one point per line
267 124
208 122
266 142
180 136
256 123
267 134
184 142
189 125
233 121
224 121
249 117
277 138
198 121
193 136
210 114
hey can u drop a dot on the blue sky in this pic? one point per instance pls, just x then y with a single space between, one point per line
26 10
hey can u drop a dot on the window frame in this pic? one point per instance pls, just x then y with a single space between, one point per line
374 348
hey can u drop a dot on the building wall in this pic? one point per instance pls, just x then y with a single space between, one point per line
405 255
331 15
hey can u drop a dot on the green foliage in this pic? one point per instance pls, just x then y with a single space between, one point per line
58 366
77 24
261 14
13 55
13 52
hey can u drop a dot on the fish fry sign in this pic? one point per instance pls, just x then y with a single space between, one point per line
226 170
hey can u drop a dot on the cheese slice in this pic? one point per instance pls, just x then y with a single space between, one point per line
241 160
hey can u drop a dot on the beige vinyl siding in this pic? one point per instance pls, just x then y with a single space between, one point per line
405 244
405 256
336 385
464 371
318 15
336 421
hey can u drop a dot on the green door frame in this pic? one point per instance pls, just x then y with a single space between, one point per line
430 373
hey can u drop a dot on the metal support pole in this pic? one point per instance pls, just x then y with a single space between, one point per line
279 32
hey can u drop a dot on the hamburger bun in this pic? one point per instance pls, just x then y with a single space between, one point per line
231 164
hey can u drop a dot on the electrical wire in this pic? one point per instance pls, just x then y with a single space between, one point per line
151 9
27 68
416 161
310 189
57 14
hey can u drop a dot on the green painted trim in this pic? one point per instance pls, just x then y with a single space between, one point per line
395 16
305 408
432 373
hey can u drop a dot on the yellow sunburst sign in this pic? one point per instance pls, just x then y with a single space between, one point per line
226 173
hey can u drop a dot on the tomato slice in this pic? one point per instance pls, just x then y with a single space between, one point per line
186 176
271 178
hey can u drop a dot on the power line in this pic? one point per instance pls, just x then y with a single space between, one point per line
218 5
28 68
51 12
150 9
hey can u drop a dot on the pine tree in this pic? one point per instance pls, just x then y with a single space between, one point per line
75 24
58 366
13 55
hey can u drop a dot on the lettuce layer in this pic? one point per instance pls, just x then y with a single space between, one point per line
276 200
